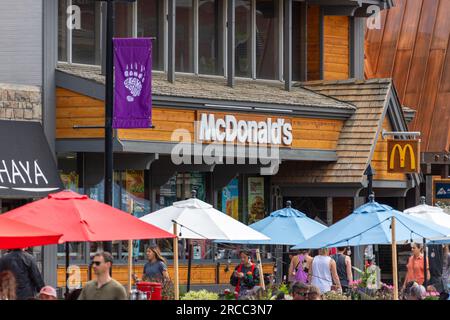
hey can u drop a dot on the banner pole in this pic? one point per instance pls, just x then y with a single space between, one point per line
109 101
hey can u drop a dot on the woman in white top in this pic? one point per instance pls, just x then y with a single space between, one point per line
323 272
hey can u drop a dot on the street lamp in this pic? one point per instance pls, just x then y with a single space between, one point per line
109 105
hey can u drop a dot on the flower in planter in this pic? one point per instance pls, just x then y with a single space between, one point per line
432 295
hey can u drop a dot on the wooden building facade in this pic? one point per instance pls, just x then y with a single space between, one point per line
315 85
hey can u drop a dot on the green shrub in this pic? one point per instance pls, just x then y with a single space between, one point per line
200 295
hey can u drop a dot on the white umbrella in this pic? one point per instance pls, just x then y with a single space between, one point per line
432 214
195 219
199 220
429 213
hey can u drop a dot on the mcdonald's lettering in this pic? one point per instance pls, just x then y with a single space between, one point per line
406 150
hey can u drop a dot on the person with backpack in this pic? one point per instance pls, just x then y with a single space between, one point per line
245 276
344 267
299 267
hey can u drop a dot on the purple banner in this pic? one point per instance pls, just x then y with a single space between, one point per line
132 83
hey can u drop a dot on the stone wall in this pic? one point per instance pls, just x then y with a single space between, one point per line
20 102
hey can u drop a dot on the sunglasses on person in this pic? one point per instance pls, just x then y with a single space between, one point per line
302 294
96 263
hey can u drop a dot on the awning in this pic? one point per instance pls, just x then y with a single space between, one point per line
27 166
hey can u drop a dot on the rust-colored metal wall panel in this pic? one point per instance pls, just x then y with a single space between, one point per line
412 47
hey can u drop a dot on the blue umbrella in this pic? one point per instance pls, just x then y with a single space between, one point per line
286 226
375 223
371 224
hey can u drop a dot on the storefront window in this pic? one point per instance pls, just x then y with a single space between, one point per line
256 203
210 37
184 37
243 38
86 40
266 39
123 23
151 24
230 199
179 188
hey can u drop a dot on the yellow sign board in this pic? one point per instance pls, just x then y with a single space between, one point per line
403 156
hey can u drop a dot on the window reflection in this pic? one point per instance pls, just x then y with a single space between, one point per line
151 24
86 41
62 30
210 37
184 36
123 23
266 39
243 38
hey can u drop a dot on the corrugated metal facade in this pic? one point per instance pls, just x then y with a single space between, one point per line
412 46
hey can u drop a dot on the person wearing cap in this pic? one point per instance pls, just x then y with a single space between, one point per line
245 276
48 293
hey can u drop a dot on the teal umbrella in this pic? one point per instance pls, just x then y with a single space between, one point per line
286 226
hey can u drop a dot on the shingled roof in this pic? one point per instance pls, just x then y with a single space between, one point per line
358 136
215 88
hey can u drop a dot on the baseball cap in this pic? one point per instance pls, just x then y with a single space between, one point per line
49 291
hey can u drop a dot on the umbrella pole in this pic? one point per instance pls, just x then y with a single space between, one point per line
130 263
394 259
189 266
261 274
425 257
175 262
67 267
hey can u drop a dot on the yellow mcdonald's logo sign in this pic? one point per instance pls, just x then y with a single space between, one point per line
406 150
402 153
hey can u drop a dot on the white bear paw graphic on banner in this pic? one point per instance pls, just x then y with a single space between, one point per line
134 78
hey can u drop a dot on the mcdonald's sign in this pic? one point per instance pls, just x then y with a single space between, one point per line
403 156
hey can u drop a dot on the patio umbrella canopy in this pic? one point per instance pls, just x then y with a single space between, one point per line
195 219
17 235
79 219
370 224
432 214
375 223
286 226
199 220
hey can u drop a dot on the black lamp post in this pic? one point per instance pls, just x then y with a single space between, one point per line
109 101
109 107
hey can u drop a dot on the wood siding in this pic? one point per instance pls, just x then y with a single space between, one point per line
200 274
380 158
336 48
76 109
412 47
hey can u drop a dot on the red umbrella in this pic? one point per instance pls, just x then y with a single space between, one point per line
79 219
16 235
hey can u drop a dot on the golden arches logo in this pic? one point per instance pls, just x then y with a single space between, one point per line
402 153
